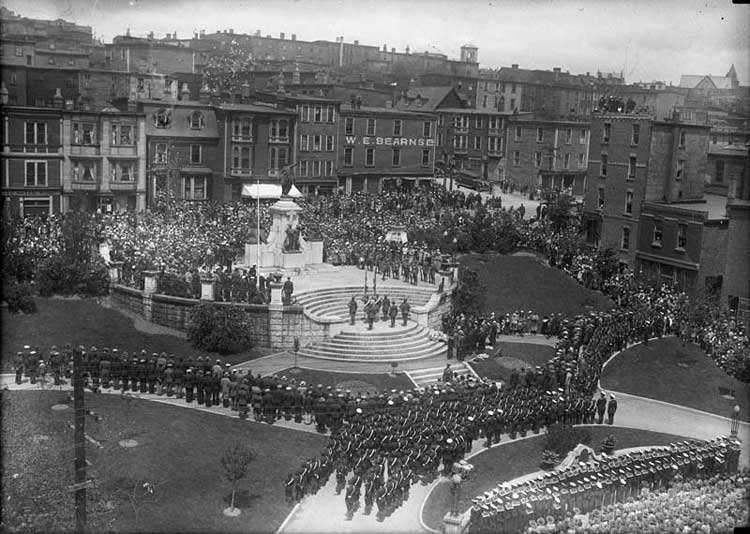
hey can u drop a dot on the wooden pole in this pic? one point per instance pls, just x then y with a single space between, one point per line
80 444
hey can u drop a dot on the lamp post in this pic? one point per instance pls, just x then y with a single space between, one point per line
296 350
735 421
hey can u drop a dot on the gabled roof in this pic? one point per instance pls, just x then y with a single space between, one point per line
424 98
690 81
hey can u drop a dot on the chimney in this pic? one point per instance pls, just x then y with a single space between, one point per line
556 69
150 35
203 34
215 97
231 31
407 49
204 96
385 47
514 66
356 41
168 36
245 90
393 50
174 35
57 99
294 37
281 35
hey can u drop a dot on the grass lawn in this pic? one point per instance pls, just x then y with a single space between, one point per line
519 458
667 371
515 356
354 381
84 322
523 283
179 453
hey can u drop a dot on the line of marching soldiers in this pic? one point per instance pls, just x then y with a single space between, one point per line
585 486
410 435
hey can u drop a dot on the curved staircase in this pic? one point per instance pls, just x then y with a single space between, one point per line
382 344
333 302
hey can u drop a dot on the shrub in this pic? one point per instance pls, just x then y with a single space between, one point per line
57 276
219 329
562 439
172 284
19 298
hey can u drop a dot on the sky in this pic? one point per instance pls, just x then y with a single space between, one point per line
645 39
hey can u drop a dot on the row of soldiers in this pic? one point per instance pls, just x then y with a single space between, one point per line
373 307
604 480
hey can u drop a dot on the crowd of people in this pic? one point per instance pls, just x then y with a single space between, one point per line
608 483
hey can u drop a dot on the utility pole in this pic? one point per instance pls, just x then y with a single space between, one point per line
80 444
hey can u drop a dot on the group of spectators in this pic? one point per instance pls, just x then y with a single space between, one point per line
593 490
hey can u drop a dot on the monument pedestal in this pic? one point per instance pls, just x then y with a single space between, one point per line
285 216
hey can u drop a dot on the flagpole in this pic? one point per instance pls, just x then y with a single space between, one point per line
257 248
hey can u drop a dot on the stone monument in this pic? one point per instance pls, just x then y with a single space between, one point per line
285 248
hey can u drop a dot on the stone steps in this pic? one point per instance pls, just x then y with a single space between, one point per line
406 343
430 376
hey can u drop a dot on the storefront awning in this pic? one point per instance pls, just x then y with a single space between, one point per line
268 191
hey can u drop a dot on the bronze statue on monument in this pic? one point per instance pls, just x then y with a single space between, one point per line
286 174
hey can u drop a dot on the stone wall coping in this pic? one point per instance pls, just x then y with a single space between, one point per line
127 290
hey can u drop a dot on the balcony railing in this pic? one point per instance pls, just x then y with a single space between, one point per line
36 149
119 185
239 138
85 185
278 139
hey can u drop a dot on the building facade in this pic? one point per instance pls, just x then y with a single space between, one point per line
384 147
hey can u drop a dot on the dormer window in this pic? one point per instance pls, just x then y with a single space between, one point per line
162 118
196 120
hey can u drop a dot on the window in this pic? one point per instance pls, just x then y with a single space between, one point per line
657 235
304 113
581 162
477 143
84 133
440 120
348 156
636 134
603 165
278 157
439 141
719 177
568 136
600 200
330 114
425 157
460 143
625 241
196 120
537 159
315 168
241 160
162 118
36 174
512 104
513 88
397 127
566 161
36 133
329 143
195 154
495 144
631 168
494 123
303 167
13 79
304 142
427 129
194 187
517 133
478 121
370 126
680 168
317 143
279 130
349 125
516 158
121 134
19 51
582 137
396 159
369 157
34 206
540 135
484 101
629 202
682 139
124 172
328 167
606 132
160 153
242 129
318 114
682 236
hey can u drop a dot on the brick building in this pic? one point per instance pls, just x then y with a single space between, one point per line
634 159
659 103
382 147
147 56
547 154
726 167
32 160
471 143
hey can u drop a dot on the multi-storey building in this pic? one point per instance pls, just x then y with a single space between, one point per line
547 154
635 159
659 103
471 143
105 163
726 166
32 160
382 147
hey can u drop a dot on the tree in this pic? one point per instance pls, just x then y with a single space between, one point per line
235 462
469 296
